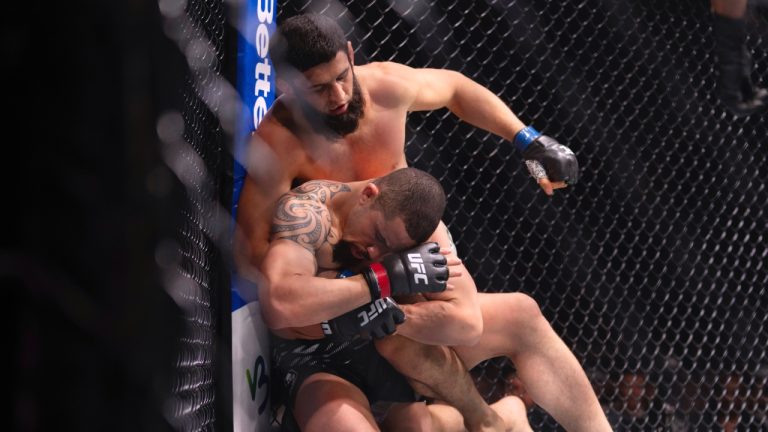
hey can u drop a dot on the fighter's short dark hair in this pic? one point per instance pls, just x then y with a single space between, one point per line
305 41
415 196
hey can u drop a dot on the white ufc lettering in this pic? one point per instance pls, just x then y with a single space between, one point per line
417 263
415 258
374 310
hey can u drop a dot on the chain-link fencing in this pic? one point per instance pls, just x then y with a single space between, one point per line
653 268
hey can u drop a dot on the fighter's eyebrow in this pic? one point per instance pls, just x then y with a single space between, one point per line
341 75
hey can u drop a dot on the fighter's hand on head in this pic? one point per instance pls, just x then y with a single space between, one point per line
552 164
420 269
377 319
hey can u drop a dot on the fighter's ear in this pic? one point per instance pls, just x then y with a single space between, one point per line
369 193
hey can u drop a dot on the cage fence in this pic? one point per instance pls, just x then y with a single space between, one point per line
652 268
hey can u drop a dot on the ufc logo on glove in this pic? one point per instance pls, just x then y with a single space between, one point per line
417 263
418 270
373 311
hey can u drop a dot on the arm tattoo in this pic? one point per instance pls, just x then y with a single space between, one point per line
302 214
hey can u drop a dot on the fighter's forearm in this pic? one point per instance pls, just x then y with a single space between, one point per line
479 107
249 250
254 220
298 301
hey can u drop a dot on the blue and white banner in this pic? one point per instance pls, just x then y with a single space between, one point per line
250 341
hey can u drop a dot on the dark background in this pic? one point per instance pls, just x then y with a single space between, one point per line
96 223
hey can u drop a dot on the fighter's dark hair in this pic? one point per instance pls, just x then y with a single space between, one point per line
305 41
416 197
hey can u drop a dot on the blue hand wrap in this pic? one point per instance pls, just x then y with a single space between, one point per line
525 137
345 273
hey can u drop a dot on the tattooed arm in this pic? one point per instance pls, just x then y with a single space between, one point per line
301 229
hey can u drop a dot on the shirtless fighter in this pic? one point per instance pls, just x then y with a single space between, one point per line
343 122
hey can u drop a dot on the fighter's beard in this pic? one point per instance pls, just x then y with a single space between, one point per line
338 126
342 255
345 124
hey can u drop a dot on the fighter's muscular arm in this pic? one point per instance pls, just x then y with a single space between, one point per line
272 164
294 296
455 319
429 89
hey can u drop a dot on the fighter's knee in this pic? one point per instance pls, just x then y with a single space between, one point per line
524 308
326 402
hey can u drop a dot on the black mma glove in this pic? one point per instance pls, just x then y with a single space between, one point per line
376 319
417 270
546 157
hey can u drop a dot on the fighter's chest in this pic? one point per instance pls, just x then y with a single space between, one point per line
372 151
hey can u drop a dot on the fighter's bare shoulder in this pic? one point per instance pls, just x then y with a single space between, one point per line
302 215
279 124
389 84
319 190
277 131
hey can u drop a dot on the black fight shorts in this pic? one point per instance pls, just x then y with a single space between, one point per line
356 361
